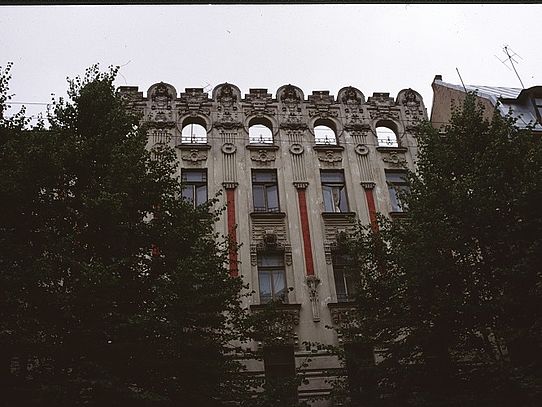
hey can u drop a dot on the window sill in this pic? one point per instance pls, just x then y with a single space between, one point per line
327 147
262 146
282 307
341 305
193 146
398 214
384 149
338 215
267 215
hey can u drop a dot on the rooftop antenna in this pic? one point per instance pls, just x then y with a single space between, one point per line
510 54
461 79
207 85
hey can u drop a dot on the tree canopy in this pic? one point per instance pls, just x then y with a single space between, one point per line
450 295
113 289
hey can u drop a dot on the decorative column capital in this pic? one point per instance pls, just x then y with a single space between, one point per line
368 184
230 184
301 184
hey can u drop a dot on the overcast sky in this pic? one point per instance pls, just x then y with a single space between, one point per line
376 48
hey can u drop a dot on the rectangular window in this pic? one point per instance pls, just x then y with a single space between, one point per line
194 186
279 365
397 184
272 277
265 191
359 358
344 286
334 191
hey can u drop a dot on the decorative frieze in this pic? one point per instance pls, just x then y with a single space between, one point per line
262 156
194 155
394 159
330 156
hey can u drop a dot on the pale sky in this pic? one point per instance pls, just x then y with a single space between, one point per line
375 48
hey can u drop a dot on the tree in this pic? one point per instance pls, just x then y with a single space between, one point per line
113 289
451 294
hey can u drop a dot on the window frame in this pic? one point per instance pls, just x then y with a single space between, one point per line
194 185
339 263
394 188
266 195
332 186
270 271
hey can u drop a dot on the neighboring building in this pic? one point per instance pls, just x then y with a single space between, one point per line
296 173
525 105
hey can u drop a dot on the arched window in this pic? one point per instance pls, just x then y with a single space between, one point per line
324 132
260 131
194 132
386 135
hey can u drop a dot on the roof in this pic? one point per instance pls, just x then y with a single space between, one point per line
507 100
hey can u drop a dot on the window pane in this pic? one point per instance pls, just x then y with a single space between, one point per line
279 284
194 176
332 176
343 203
258 192
272 198
270 260
201 194
396 177
340 285
265 286
193 133
258 133
386 137
264 176
188 193
324 135
395 205
328 199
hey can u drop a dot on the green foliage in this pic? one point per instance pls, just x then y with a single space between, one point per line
91 314
452 293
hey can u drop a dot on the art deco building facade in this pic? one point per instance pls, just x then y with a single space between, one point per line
295 172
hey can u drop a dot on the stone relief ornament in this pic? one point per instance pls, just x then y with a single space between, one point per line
296 149
161 97
290 96
330 156
394 159
262 156
312 285
194 156
351 97
226 95
228 148
361 149
410 99
383 113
